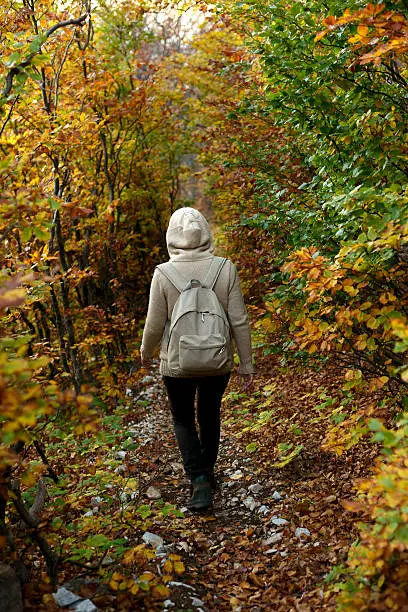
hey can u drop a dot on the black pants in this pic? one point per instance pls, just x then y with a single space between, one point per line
199 449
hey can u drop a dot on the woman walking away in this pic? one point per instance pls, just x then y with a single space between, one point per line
196 310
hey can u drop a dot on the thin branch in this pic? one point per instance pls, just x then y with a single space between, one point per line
50 557
17 69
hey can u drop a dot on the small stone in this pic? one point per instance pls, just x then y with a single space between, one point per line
330 499
128 392
121 454
64 598
180 584
283 553
107 561
273 539
183 546
263 510
271 551
276 496
302 531
255 488
196 602
95 501
120 469
89 513
169 604
237 475
147 379
153 493
85 605
250 503
279 522
152 539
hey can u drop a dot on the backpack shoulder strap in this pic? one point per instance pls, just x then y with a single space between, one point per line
214 272
173 275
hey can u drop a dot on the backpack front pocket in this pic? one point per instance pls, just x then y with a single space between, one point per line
203 353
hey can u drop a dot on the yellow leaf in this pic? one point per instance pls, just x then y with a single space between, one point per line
320 35
207 519
134 589
362 30
161 591
179 567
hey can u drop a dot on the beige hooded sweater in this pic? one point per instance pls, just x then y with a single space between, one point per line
190 246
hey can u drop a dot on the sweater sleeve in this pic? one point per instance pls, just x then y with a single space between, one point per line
156 318
238 318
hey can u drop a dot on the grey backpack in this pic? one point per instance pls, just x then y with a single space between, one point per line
199 336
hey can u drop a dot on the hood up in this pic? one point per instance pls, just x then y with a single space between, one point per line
189 235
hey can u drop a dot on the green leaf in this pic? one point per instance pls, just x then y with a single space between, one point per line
251 447
98 541
26 233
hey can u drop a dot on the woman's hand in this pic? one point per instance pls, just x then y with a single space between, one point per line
246 382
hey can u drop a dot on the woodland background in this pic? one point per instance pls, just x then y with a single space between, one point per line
287 123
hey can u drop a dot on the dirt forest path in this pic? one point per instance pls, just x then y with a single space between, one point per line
275 533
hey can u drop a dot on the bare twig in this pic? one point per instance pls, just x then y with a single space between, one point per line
40 451
51 558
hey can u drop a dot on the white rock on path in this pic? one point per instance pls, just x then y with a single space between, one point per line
279 522
180 584
85 605
153 493
92 512
273 539
271 551
196 602
250 503
276 496
147 379
65 598
107 561
302 531
255 488
152 539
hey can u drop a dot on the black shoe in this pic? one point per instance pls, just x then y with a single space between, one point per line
202 494
214 484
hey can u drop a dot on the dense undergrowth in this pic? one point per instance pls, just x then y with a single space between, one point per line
292 119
